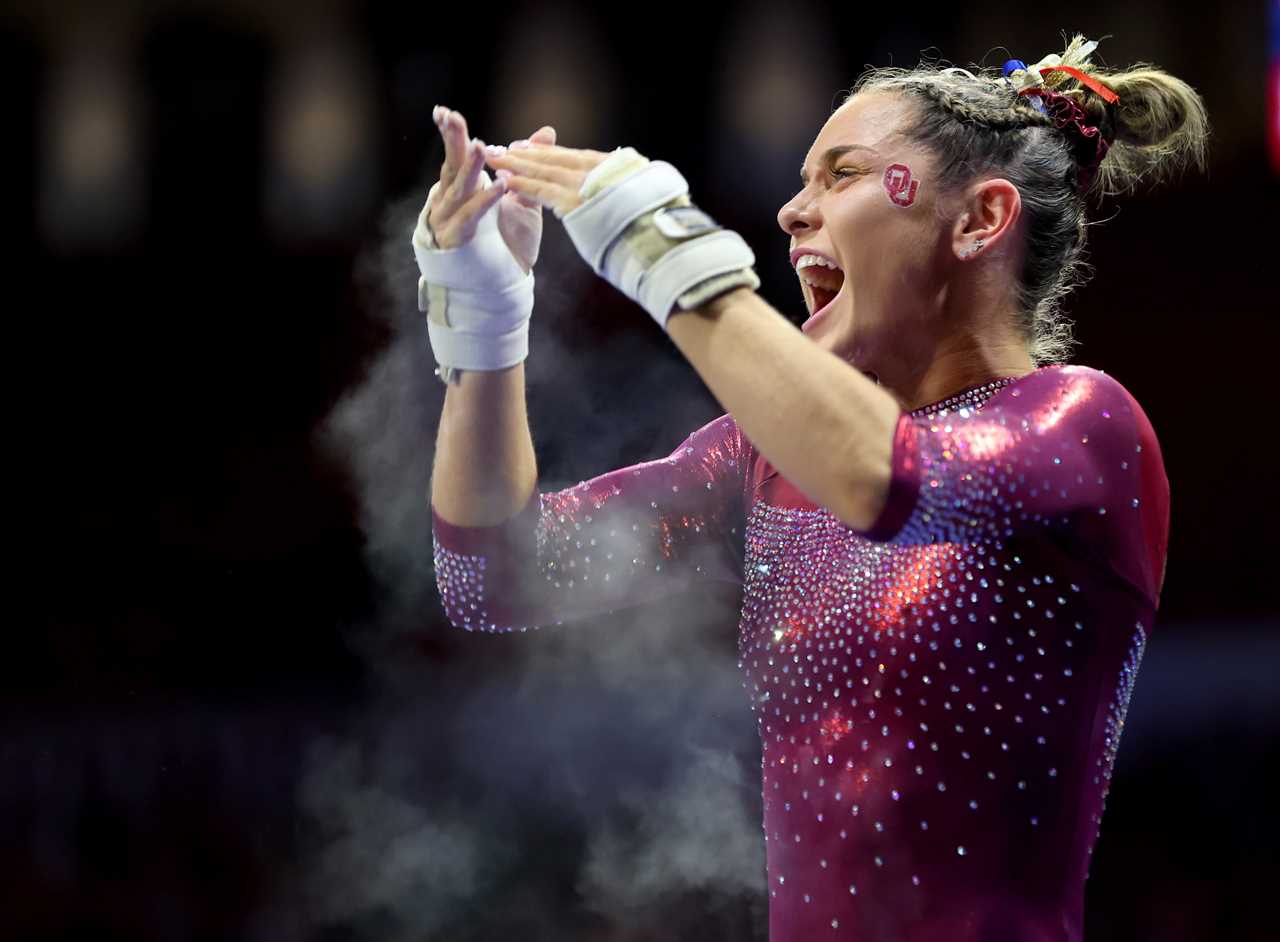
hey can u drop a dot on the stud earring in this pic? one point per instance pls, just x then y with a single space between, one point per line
973 249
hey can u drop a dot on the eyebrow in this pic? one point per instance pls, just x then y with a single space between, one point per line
832 154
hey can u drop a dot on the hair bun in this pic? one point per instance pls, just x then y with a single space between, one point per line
1158 127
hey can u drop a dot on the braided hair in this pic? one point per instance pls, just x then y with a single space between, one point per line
974 123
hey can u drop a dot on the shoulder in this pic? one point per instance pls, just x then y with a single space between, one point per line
726 453
719 441
1086 417
1071 396
720 430
723 425
1071 382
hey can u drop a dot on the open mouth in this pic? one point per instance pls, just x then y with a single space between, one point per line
822 297
822 279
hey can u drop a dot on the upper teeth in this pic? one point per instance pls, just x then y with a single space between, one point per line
805 261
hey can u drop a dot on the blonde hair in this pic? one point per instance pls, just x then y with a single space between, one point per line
975 123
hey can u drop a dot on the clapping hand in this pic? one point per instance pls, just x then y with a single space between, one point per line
538 171
461 199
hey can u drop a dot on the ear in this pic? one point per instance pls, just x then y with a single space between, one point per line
991 210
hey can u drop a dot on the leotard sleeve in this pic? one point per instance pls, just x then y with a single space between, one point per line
1065 450
612 542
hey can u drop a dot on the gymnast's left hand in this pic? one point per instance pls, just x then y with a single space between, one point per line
545 173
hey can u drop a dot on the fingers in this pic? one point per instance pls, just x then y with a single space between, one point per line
462 223
552 155
543 192
551 171
453 128
541 173
465 182
535 171
468 178
544 135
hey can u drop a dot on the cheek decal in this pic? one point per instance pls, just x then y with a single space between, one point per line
899 185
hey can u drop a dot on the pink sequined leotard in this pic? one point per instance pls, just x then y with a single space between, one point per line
940 698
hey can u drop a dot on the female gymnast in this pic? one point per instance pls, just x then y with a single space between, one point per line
951 544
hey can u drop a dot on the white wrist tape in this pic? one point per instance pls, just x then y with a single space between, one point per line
476 297
637 229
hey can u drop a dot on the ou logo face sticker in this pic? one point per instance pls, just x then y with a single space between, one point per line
899 185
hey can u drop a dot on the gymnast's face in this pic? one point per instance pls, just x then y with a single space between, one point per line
869 213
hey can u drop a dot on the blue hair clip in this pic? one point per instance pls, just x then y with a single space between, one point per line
1017 65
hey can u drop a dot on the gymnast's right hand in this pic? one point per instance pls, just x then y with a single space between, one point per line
475 251
461 200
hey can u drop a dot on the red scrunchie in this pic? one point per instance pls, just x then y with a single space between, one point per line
1068 115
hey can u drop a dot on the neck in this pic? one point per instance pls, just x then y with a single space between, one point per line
959 363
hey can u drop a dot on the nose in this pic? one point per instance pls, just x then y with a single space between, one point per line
799 214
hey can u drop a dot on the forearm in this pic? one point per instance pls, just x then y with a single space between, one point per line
825 427
485 469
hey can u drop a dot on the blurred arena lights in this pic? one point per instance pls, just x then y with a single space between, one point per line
320 181
556 71
775 87
92 188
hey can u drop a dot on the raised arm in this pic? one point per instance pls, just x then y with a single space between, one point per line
819 421
507 557
485 467
477 294
825 427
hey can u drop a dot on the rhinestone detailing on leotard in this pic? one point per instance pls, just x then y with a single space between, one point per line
970 397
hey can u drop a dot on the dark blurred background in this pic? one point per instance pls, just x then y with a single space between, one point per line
232 708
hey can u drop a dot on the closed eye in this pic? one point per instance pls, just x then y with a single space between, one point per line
840 173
